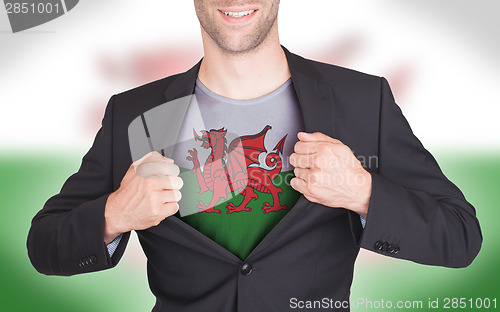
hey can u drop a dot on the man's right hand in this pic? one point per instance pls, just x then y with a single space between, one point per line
148 193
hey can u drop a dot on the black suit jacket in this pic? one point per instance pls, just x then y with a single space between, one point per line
415 212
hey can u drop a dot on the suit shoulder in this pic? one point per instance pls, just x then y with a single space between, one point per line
130 104
152 90
342 75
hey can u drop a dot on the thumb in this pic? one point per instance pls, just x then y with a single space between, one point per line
316 137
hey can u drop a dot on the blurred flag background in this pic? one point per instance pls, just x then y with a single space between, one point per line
440 58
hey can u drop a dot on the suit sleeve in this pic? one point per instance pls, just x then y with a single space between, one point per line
67 236
415 212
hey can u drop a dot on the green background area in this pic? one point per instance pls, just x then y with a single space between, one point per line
27 182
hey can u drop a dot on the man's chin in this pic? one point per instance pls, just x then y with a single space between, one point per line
242 47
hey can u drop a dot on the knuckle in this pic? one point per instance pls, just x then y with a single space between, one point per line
322 148
173 169
301 161
176 182
315 176
328 149
144 170
143 166
346 150
172 208
148 183
177 195
312 178
150 199
318 161
297 147
167 183
311 190
167 196
155 210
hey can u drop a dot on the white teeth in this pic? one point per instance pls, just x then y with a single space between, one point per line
239 14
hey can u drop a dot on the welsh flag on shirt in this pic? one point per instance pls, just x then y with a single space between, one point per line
234 199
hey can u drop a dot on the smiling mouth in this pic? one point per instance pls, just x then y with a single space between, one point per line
238 14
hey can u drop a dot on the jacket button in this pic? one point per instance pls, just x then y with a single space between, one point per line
378 245
390 249
82 263
246 269
396 249
384 246
93 260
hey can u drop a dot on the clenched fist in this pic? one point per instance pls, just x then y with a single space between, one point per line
327 172
148 193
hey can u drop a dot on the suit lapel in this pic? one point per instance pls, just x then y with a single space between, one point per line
183 84
318 108
315 98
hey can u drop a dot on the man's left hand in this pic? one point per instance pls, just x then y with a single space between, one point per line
327 172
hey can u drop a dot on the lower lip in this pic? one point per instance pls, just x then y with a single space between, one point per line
237 20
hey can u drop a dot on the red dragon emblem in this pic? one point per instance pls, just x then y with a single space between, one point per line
235 169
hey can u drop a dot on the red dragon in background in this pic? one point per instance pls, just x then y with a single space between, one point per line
235 169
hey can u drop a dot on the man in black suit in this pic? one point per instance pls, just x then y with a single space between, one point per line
412 211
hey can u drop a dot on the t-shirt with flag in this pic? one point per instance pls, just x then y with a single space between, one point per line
233 156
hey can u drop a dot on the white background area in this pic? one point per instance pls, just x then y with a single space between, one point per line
50 81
